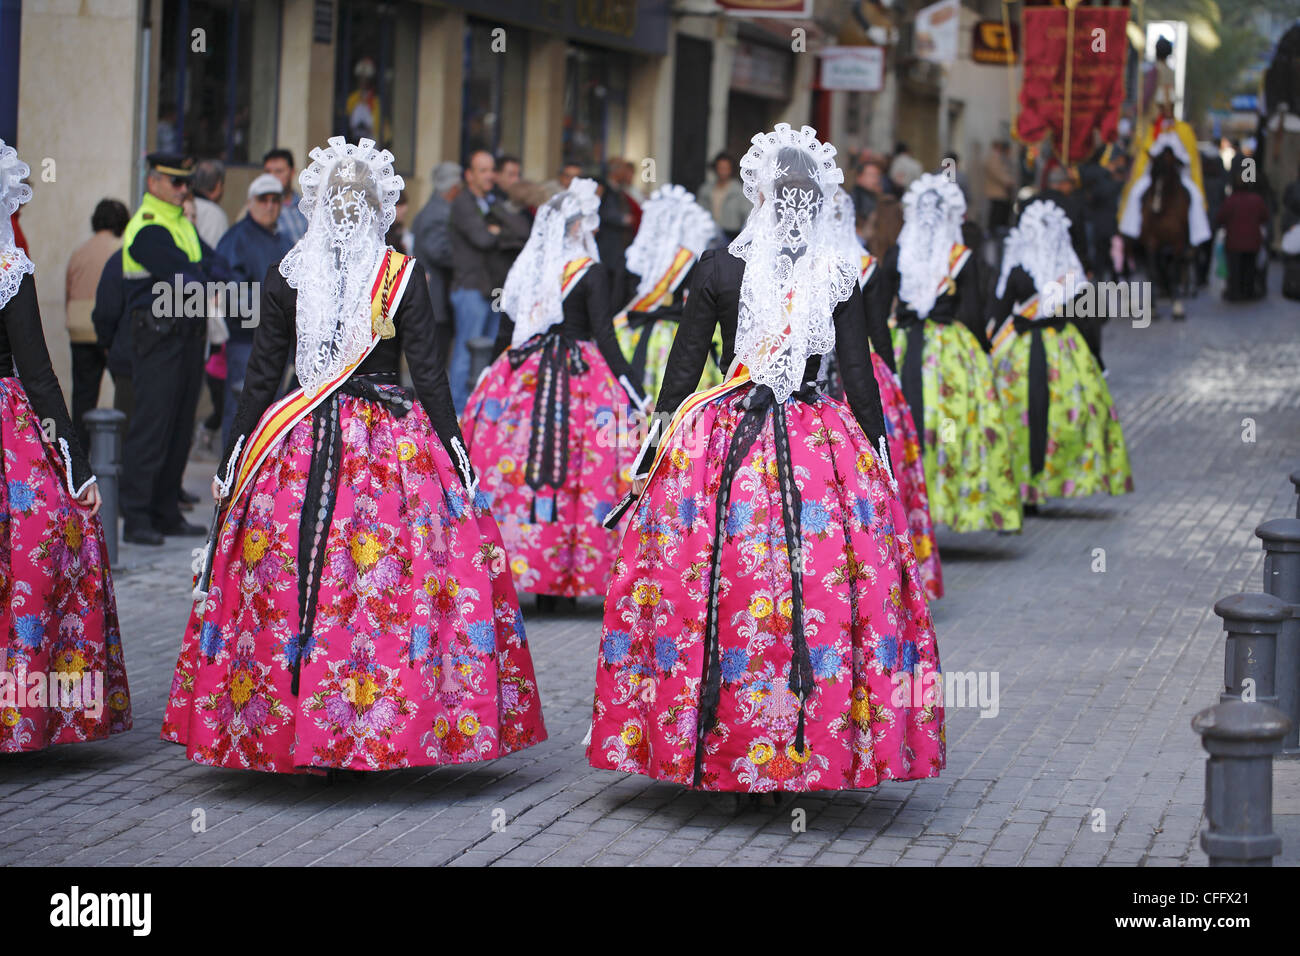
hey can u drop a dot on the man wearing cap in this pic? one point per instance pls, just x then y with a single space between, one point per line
161 252
432 228
251 247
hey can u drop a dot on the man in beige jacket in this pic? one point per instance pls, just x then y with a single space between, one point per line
84 268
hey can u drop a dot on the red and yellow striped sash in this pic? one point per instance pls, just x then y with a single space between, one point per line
661 292
574 270
739 377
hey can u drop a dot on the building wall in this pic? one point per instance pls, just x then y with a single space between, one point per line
83 125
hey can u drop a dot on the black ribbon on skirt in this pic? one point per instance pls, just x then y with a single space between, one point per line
758 403
913 390
1038 394
322 494
548 441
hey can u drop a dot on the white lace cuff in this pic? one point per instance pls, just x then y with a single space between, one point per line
467 475
889 469
67 465
637 399
223 486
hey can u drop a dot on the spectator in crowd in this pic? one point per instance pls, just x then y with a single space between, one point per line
433 245
292 224
1291 205
904 168
161 248
208 186
399 236
1244 217
485 239
251 248
999 185
1060 190
886 223
868 186
1100 198
509 170
113 334
1214 177
619 216
567 174
725 197
84 271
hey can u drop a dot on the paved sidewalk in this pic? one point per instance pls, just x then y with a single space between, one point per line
1089 760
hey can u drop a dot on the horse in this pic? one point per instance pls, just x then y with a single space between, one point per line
1166 210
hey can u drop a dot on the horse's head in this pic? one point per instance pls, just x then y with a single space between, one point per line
1166 165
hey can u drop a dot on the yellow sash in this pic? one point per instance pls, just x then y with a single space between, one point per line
280 418
660 293
574 270
868 269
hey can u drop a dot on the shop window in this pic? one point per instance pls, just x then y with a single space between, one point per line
492 116
595 107
376 73
218 80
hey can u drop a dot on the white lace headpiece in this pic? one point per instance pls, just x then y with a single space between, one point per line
845 214
670 219
349 196
565 229
933 207
796 266
14 263
1040 244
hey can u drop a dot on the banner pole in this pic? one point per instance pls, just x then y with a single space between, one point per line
1069 79
1011 64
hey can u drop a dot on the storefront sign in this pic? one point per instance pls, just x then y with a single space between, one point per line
989 44
860 68
640 26
761 70
936 31
1097 82
767 8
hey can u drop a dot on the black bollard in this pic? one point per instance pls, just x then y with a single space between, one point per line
1241 739
1295 480
1281 539
1250 652
480 357
105 426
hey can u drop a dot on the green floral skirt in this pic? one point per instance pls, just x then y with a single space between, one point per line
1085 451
966 452
657 348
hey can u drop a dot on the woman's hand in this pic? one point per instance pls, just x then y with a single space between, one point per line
90 498
638 485
216 491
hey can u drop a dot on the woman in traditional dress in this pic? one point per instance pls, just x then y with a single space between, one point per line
766 629
904 445
675 229
62 678
357 611
947 376
547 423
1066 439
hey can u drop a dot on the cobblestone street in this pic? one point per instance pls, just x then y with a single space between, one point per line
1099 674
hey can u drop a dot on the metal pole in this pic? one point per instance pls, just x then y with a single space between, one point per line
1241 740
1295 480
1281 539
1250 652
106 426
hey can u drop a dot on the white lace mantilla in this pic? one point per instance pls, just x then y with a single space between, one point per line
933 207
14 263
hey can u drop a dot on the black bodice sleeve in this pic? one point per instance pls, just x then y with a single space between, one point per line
853 355
1018 289
970 302
599 319
694 339
877 313
24 343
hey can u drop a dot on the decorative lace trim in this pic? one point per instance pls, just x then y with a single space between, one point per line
933 207
884 461
224 486
639 400
670 219
1040 244
467 475
67 465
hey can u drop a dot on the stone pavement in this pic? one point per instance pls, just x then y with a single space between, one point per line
1089 760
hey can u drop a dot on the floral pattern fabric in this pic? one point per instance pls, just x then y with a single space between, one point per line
867 623
966 451
554 537
64 678
1086 454
417 656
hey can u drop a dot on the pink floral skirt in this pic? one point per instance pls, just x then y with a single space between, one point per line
909 472
416 654
553 535
62 677
704 620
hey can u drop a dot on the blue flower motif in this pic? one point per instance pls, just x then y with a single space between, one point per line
491 409
826 660
865 511
420 642
211 643
687 513
911 656
30 630
22 496
735 661
815 518
887 651
615 646
519 627
483 636
603 508
666 654
739 515
455 503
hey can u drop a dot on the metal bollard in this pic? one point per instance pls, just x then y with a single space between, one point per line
1295 480
1281 538
1241 739
1250 652
106 426
480 357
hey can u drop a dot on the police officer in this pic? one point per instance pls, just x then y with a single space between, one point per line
161 253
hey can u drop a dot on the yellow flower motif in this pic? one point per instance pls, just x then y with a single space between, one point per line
760 606
757 695
631 735
405 450
468 725
72 534
118 701
646 594
453 587
681 461
921 545
9 717
787 607
519 565
861 709
255 544
69 662
506 465
431 586
241 688
796 756
440 727
864 462
761 753
364 691
366 550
